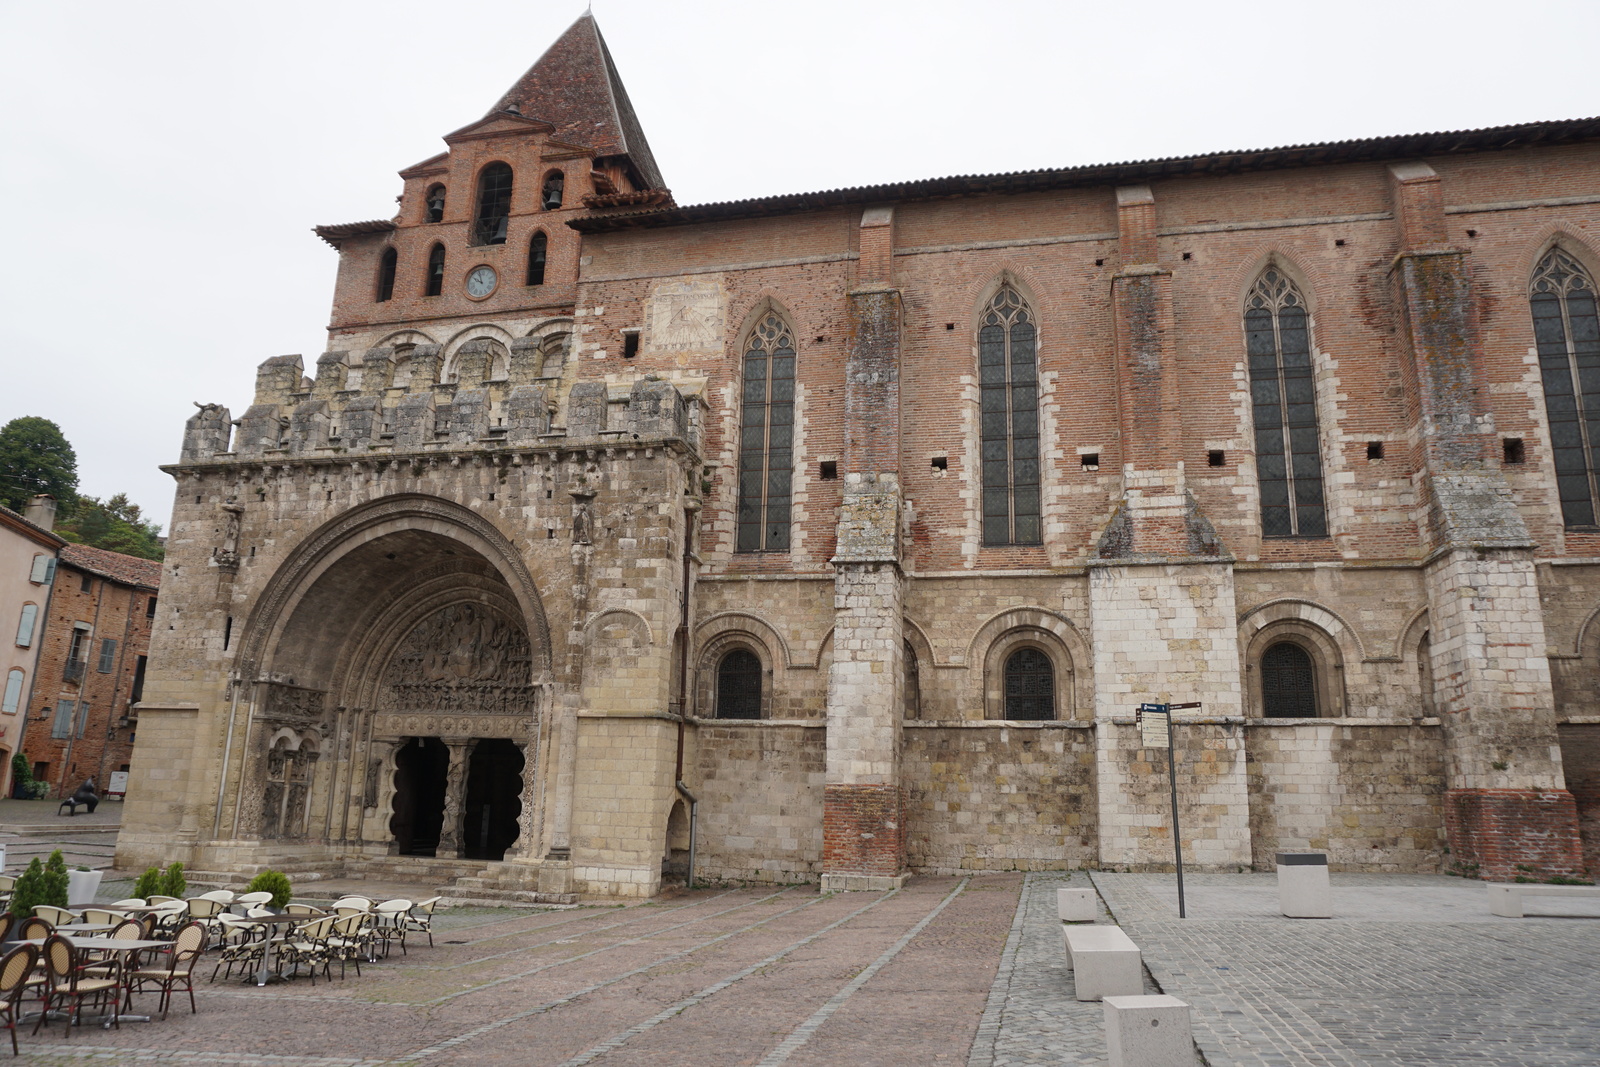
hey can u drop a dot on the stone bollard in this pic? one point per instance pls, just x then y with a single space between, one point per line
1147 1031
1076 905
1303 890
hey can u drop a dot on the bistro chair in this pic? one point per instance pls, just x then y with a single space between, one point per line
69 982
307 943
34 928
207 912
7 884
221 896
55 916
390 924
364 903
16 967
130 902
303 910
350 940
96 962
157 898
7 922
250 942
245 901
420 917
103 915
174 971
172 915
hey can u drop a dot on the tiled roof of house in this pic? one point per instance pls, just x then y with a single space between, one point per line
129 570
22 525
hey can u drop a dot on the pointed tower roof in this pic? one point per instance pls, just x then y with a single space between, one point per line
574 86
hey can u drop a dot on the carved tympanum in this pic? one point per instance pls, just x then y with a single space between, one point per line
463 657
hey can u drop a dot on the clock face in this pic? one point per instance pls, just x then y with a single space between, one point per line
481 282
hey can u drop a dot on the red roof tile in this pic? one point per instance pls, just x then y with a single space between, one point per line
129 570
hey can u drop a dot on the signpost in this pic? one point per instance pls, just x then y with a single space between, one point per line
1155 731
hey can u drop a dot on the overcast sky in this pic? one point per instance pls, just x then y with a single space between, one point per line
166 159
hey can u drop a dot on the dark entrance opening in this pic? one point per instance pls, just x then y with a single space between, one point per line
494 799
422 768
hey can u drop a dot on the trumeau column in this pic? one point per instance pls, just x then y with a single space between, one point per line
863 821
1161 598
1507 808
455 789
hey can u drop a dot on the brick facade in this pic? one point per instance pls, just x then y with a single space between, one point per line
567 456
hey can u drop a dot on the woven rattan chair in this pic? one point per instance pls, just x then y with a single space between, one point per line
68 983
16 968
390 924
173 972
99 963
420 918
34 928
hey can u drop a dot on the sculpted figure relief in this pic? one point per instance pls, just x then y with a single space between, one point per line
462 657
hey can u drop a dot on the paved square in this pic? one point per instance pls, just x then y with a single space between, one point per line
1412 970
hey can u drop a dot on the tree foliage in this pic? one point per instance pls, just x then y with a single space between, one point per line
116 524
35 457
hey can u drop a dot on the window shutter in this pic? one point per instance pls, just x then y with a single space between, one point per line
44 569
108 655
13 692
30 614
61 728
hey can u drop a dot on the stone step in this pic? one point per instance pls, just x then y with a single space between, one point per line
58 832
505 898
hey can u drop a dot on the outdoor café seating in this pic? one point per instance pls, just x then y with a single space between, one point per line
16 968
173 972
69 984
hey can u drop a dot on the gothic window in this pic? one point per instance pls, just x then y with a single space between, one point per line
1009 401
766 439
435 271
1284 403
538 245
494 205
550 195
386 268
1288 682
739 685
435 203
1030 686
1568 336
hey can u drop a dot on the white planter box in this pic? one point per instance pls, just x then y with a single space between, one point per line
82 887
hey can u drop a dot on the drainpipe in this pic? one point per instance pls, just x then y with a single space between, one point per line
694 805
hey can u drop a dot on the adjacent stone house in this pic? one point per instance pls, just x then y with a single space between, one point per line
842 533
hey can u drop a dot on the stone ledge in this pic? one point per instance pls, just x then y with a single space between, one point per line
871 883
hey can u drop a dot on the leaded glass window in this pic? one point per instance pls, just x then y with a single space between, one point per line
1288 683
1030 686
766 438
1283 399
1009 404
739 685
1568 336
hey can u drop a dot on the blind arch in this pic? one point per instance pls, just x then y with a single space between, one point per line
1288 682
739 685
1030 686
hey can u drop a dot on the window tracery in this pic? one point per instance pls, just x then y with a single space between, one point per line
1009 413
766 437
1283 405
1567 333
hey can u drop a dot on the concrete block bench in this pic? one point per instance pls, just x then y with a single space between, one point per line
1148 1032
1077 905
1505 898
1105 962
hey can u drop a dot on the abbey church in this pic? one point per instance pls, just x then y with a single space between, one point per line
838 536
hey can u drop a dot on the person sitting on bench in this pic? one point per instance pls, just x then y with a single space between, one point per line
85 796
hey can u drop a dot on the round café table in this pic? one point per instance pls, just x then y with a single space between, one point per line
107 944
262 975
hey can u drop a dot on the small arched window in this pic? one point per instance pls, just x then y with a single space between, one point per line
1288 682
766 438
1030 686
13 693
386 269
739 685
913 684
1008 373
494 205
435 203
538 246
1567 332
435 271
550 194
1283 401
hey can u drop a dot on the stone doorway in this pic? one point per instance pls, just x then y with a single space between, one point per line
422 771
493 801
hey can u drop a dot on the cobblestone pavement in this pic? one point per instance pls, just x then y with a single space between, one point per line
1412 970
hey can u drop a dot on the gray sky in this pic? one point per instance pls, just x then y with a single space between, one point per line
167 159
